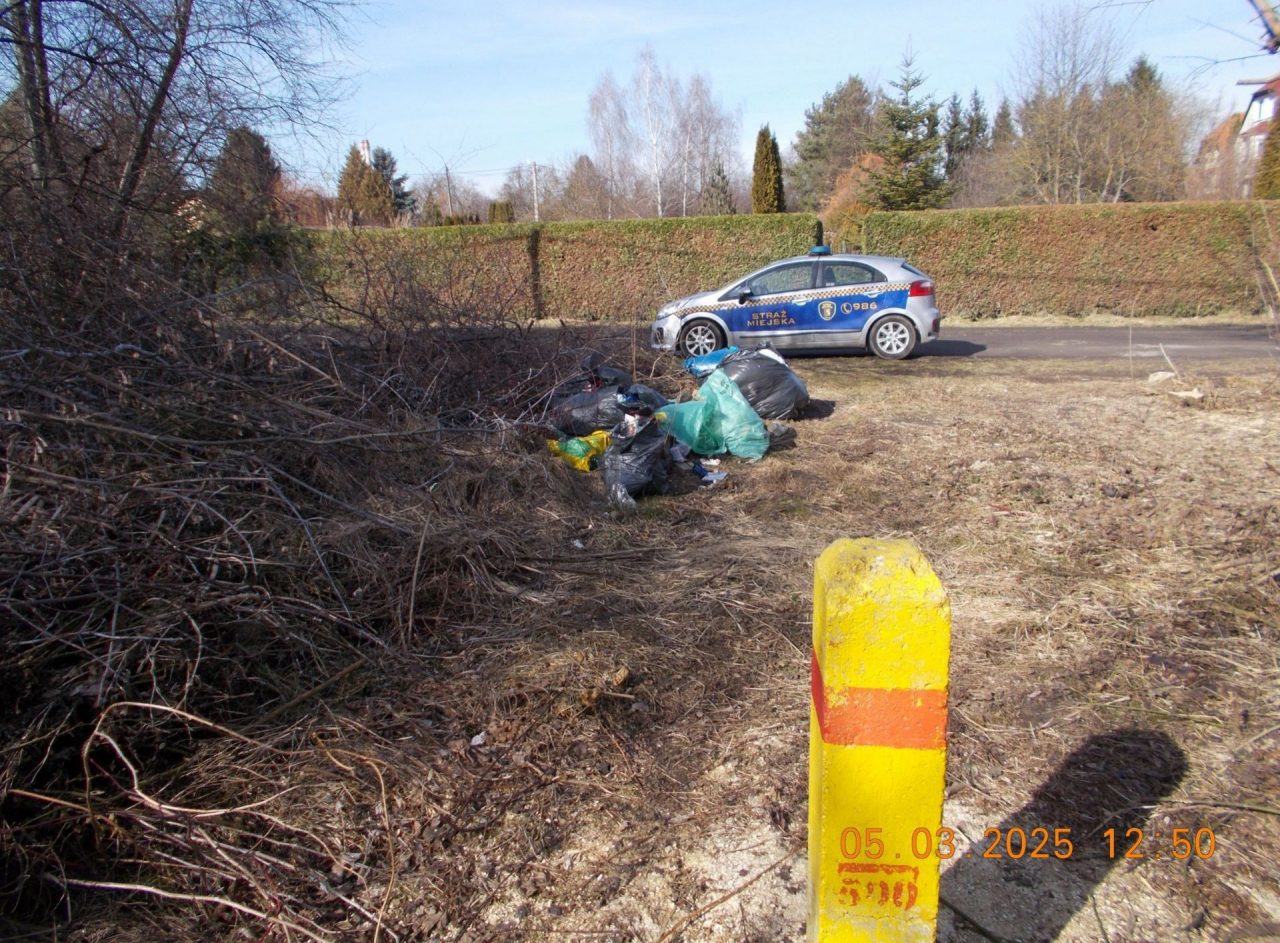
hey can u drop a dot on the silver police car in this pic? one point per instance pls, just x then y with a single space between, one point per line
818 301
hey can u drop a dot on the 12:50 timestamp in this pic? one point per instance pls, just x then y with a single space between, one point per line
1184 843
1038 843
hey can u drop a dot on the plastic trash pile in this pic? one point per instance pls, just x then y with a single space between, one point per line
635 435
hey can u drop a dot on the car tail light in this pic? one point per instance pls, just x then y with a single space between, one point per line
920 288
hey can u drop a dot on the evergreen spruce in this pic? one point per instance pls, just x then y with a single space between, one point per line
911 145
717 198
977 132
964 133
245 183
766 175
1003 132
363 194
401 198
954 137
1266 183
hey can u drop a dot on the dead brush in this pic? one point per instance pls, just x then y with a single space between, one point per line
209 526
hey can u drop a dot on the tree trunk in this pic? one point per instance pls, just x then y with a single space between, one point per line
132 175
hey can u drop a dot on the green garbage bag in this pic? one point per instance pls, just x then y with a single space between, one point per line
719 420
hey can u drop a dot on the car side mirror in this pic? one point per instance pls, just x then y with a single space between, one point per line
744 295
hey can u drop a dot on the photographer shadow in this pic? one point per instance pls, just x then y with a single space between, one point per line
1111 781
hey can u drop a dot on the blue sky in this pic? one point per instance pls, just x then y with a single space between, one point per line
487 85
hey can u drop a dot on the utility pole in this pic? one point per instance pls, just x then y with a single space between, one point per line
535 191
448 192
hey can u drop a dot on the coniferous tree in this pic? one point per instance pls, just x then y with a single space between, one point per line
910 143
717 197
964 134
954 139
836 133
766 175
363 194
401 198
977 135
1002 130
245 182
501 211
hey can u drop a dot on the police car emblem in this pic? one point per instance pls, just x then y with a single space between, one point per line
827 310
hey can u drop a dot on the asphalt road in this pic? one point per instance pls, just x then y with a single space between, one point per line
1225 342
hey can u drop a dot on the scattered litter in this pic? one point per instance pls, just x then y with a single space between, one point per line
680 452
719 420
705 364
582 452
709 478
1190 397
781 436
636 464
480 739
579 545
1160 376
771 387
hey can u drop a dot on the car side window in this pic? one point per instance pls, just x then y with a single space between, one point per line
796 277
840 274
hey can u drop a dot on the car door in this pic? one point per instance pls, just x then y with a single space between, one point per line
847 294
767 304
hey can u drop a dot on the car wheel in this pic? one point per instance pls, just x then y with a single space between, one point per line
893 338
700 337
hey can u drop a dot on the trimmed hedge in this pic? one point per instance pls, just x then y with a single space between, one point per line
1134 259
596 270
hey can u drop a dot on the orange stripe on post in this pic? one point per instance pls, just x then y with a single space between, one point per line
879 717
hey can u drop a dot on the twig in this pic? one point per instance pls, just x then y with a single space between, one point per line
683 922
1239 806
310 692
190 898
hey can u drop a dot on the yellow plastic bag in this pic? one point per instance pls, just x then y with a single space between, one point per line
581 452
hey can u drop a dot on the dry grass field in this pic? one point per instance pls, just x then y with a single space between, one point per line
598 731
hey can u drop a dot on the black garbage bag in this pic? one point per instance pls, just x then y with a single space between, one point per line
771 387
587 412
636 465
590 411
596 375
591 381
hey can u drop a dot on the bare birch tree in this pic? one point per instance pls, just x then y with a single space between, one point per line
706 140
656 94
609 126
680 132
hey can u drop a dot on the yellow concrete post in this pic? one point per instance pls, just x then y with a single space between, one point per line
877 744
